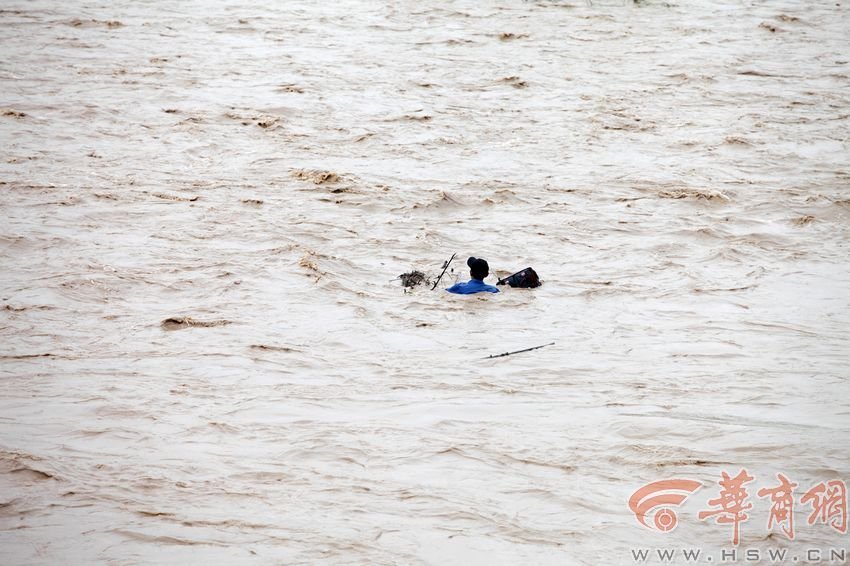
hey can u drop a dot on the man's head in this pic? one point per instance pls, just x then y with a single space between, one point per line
478 268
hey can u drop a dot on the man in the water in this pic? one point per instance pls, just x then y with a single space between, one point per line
478 270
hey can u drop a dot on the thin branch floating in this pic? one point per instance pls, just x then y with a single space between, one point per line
518 351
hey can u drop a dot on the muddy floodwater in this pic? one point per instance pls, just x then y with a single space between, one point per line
206 356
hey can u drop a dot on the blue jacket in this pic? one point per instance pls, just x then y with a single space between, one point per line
473 286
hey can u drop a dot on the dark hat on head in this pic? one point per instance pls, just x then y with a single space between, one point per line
478 267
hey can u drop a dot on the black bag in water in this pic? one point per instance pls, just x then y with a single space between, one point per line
526 279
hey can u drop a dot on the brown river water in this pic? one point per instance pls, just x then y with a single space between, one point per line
205 357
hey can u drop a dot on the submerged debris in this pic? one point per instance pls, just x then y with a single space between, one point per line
266 347
308 262
514 81
804 220
703 194
266 123
178 198
507 36
413 278
317 177
76 22
179 322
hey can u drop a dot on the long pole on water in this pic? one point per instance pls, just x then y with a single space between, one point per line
445 267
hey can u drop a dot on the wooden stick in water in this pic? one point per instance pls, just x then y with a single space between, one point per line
445 267
518 351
